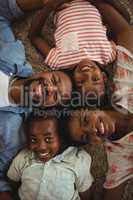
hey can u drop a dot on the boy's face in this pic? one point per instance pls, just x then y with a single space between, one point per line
44 139
49 88
89 78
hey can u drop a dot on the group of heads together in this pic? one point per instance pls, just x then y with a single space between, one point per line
49 135
53 88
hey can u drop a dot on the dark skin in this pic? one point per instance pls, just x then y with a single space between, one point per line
44 137
6 196
99 124
85 127
121 29
26 6
46 88
30 5
38 23
123 36
86 79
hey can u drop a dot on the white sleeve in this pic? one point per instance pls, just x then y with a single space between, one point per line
17 166
84 178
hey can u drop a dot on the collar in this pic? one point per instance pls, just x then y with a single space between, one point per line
67 156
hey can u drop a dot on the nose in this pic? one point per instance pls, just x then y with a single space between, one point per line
52 90
42 146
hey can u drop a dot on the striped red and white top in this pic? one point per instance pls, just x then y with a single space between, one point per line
79 34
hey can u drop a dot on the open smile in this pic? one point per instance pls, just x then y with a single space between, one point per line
43 156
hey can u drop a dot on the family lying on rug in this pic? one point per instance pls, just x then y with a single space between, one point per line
41 157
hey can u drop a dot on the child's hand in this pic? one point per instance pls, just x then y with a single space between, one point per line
54 4
100 125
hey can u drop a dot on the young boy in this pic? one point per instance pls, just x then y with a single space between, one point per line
49 168
87 127
79 34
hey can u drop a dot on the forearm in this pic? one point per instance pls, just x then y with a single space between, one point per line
30 5
39 20
35 33
41 45
117 23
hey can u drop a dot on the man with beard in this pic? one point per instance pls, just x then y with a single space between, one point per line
20 88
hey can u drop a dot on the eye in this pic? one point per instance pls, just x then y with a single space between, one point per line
95 78
33 140
55 80
48 140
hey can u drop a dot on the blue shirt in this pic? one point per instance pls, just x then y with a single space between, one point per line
12 57
13 63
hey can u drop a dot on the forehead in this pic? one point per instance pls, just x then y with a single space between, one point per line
43 126
86 62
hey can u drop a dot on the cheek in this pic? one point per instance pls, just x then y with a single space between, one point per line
32 147
74 135
56 145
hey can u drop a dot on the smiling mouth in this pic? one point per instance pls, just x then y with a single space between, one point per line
43 156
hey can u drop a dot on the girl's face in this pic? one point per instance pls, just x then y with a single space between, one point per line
89 79
44 139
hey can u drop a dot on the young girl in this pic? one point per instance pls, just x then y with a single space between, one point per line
48 168
88 75
79 34
87 127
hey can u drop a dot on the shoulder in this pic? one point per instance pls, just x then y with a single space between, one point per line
83 157
78 156
22 157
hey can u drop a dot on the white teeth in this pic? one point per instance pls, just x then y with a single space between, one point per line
43 154
85 68
102 127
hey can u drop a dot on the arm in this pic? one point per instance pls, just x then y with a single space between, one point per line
35 32
6 195
87 195
38 22
84 181
119 26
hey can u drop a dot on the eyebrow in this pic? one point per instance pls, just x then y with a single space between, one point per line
45 134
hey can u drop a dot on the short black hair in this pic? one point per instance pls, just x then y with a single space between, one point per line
48 115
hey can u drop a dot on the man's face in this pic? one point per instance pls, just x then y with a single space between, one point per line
49 88
44 139
88 78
